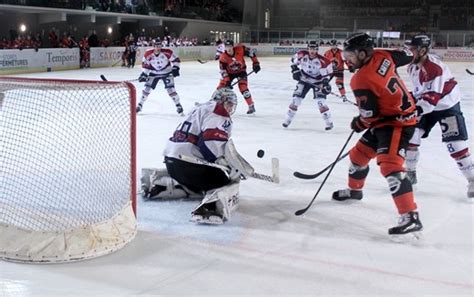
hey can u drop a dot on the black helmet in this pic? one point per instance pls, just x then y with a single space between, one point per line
313 44
420 40
359 41
333 42
229 42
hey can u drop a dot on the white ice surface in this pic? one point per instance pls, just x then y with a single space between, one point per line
335 249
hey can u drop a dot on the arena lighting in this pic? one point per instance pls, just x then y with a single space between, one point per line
109 30
22 27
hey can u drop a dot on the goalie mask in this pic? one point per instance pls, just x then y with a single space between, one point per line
227 98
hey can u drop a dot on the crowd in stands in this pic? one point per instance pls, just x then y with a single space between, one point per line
67 40
213 10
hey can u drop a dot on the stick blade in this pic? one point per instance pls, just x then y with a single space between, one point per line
304 176
300 212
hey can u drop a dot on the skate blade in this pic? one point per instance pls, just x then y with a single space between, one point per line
211 220
407 238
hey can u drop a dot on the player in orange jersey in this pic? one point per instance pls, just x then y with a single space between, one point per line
334 54
388 117
232 66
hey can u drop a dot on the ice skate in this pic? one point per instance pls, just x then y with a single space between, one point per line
347 194
251 109
179 109
139 107
207 214
409 223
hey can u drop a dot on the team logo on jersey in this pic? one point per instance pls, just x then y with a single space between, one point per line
384 66
226 125
235 66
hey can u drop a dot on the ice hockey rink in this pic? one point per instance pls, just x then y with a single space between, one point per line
335 249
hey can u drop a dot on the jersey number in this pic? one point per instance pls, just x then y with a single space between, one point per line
393 85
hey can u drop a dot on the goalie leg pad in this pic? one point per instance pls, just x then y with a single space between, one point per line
218 205
156 184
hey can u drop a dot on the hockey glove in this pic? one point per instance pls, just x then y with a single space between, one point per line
357 125
175 71
326 87
296 72
143 77
256 67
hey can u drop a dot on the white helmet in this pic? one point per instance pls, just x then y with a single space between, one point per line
227 97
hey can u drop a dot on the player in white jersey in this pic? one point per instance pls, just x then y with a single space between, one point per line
160 64
312 71
220 48
438 101
201 162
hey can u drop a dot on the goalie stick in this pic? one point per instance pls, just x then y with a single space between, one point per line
274 178
469 71
315 175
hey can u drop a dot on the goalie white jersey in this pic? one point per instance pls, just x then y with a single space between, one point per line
161 64
313 70
203 134
434 86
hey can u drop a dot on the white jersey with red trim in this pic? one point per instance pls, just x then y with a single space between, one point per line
203 134
434 86
161 64
313 70
220 48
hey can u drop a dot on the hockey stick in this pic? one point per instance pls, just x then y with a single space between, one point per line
103 78
302 211
202 61
313 176
239 79
344 99
469 71
274 178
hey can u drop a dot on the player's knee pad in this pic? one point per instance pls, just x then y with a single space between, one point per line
226 200
458 149
171 91
323 107
398 183
246 94
358 172
295 102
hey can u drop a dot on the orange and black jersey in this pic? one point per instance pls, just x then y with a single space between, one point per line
236 63
335 56
382 97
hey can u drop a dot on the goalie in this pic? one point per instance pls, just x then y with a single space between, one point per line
201 161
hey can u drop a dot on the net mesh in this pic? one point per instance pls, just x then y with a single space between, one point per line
67 152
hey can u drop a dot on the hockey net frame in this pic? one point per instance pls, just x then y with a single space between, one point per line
33 242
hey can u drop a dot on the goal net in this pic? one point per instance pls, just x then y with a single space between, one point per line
67 169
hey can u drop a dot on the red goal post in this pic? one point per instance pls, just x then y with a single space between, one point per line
67 168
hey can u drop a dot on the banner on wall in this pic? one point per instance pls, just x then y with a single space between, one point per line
45 59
